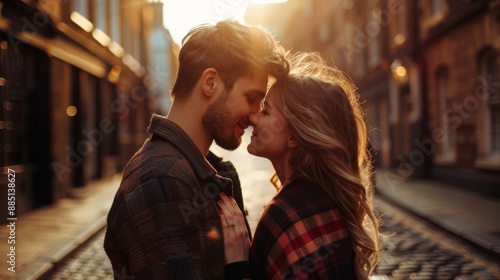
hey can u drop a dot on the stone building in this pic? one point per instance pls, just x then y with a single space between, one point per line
460 45
75 103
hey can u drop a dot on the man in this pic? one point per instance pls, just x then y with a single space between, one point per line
164 221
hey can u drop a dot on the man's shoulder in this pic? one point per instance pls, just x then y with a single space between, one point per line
158 159
158 162
156 168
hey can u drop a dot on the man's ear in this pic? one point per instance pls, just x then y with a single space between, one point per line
209 82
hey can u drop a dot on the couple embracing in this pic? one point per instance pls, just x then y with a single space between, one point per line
178 213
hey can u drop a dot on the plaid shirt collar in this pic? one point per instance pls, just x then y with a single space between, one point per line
171 132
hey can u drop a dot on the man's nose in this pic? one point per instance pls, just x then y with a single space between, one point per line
255 108
253 118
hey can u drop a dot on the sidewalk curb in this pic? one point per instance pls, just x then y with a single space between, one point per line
486 242
40 268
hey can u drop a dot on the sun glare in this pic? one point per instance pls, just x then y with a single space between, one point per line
267 1
182 15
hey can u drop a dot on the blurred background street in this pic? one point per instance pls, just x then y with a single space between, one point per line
79 80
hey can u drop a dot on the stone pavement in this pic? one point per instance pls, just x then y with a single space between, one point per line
413 249
469 215
45 236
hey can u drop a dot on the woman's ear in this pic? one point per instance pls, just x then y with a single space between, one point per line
208 81
292 142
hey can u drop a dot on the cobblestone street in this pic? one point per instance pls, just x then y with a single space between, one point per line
407 255
411 249
88 262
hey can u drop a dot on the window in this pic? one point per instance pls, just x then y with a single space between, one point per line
115 21
127 37
495 128
437 7
14 94
359 62
308 9
488 68
324 31
398 10
448 146
81 6
373 121
101 16
373 28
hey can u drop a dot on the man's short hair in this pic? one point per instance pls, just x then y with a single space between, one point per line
233 49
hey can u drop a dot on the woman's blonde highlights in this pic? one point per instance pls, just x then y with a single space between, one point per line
333 146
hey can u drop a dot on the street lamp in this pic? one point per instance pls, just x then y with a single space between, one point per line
399 72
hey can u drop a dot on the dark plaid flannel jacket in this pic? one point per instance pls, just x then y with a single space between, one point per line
164 221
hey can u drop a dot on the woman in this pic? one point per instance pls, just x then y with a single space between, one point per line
320 224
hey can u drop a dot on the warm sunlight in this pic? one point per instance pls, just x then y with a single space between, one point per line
181 15
267 1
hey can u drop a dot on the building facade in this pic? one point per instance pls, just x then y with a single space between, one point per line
427 72
75 104
460 45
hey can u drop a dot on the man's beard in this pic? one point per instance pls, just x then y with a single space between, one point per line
214 120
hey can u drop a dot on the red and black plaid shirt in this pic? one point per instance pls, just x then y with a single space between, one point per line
164 221
301 235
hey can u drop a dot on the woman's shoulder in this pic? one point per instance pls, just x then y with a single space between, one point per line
302 193
299 226
299 201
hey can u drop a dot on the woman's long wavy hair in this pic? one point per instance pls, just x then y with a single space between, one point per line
321 107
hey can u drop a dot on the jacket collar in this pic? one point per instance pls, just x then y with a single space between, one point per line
174 134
